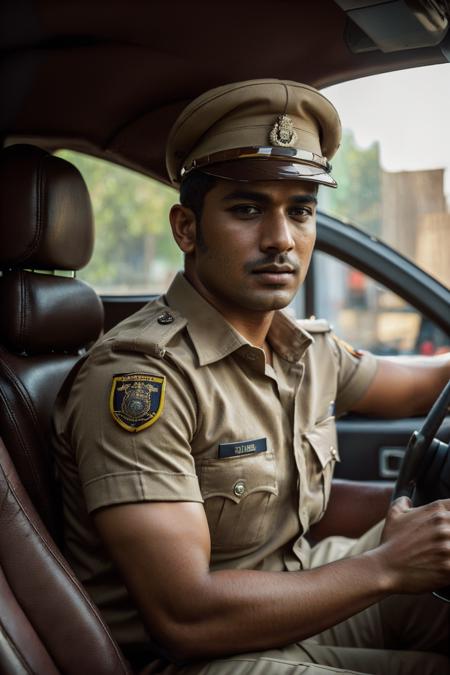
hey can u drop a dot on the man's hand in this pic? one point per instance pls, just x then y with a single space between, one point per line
415 546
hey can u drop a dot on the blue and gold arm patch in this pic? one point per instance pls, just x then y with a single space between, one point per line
136 400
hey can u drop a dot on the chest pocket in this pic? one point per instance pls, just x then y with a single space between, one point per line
238 493
321 454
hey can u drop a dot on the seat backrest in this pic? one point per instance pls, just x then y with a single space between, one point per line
47 316
48 625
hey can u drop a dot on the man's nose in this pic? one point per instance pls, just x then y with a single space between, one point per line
276 233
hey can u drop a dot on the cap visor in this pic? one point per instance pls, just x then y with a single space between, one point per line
247 170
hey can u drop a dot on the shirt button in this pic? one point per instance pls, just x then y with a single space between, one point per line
239 488
333 451
164 318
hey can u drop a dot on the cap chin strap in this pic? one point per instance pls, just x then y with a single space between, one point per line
256 152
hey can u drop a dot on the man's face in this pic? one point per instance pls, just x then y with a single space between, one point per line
254 244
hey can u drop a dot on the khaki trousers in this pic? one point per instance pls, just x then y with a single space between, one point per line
402 635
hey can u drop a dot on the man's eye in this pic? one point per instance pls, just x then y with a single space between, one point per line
245 210
300 212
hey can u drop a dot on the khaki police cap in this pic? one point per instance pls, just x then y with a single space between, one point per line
256 130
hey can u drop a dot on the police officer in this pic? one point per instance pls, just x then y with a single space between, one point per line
198 441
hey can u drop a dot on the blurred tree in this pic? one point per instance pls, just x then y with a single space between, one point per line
358 196
134 250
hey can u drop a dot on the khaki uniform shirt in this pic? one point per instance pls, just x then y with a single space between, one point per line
256 444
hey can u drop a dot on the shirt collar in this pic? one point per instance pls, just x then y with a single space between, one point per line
214 338
287 338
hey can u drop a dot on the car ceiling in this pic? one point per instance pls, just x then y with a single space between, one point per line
110 78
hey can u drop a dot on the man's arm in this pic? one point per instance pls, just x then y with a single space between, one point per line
163 552
405 386
354 507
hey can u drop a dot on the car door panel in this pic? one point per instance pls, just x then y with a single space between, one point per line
371 449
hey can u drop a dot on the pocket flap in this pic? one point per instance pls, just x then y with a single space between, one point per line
236 478
323 439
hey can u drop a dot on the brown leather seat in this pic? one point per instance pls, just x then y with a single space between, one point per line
48 625
47 319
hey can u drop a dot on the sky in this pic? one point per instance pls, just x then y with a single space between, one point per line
407 111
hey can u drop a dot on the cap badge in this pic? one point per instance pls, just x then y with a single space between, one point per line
282 132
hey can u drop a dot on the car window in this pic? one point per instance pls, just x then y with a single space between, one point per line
393 167
368 315
134 252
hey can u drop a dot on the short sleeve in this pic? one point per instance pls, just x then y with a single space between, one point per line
117 465
355 373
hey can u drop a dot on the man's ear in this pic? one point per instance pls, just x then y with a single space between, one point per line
184 226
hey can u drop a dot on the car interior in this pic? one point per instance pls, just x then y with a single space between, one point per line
109 80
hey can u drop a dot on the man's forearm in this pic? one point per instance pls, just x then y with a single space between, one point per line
431 374
405 386
236 611
163 551
195 612
354 507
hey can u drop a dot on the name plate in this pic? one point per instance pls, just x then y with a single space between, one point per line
242 448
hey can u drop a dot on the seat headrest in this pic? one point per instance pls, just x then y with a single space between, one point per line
42 313
45 211
46 224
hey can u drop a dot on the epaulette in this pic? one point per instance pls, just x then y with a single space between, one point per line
315 325
152 334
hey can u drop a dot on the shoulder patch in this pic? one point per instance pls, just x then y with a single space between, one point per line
348 347
136 400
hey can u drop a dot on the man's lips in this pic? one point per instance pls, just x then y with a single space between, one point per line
274 269
275 274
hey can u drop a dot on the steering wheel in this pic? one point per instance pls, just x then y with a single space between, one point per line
425 471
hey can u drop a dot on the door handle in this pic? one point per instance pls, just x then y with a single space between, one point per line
389 462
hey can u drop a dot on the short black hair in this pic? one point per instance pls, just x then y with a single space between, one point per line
193 189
